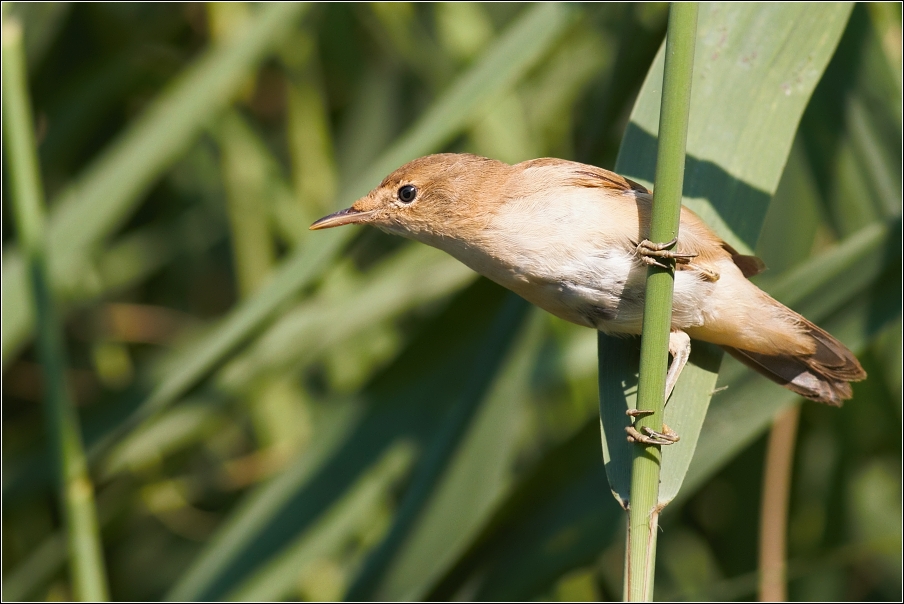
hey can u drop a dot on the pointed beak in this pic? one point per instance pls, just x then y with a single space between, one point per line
342 217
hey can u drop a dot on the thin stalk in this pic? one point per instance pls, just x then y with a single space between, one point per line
643 513
774 506
76 492
244 176
245 181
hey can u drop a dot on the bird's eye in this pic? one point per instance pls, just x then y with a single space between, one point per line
407 193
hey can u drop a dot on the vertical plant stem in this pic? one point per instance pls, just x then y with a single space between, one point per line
774 506
76 491
245 181
244 175
643 513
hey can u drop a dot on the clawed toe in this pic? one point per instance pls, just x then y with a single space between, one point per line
638 412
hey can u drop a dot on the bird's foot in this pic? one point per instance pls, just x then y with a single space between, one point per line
650 253
680 349
651 436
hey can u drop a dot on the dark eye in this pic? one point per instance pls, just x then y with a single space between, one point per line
407 193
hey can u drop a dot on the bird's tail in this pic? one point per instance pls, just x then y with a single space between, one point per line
822 376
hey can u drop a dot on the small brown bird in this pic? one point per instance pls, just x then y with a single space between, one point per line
572 239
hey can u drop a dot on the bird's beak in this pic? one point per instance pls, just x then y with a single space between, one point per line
342 217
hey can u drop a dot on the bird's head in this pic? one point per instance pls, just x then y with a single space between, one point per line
433 197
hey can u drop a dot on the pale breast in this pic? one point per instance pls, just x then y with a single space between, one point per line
602 290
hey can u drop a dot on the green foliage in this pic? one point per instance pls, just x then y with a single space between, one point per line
278 414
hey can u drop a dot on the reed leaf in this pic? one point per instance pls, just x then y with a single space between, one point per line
758 66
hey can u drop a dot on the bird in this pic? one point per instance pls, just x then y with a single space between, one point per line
572 239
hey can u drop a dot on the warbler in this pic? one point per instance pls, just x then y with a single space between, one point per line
572 239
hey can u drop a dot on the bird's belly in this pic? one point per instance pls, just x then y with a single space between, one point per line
602 288
605 292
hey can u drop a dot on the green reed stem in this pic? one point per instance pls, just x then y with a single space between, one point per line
643 514
76 491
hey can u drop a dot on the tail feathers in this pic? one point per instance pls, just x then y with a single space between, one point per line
834 359
822 376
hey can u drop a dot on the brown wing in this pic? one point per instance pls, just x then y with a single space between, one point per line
591 176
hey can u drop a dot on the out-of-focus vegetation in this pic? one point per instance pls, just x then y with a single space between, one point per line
277 414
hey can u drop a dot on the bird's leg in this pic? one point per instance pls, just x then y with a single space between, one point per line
650 253
680 349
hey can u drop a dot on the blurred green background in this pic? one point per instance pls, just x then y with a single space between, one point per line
276 414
